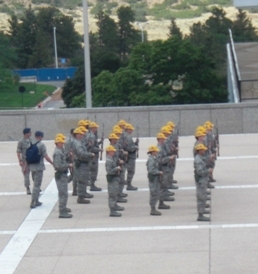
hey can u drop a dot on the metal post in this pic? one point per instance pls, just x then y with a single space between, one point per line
87 56
56 62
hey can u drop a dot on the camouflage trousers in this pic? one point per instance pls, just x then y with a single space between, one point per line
154 191
201 194
26 176
94 168
37 177
122 179
172 169
113 190
62 186
130 166
164 182
81 176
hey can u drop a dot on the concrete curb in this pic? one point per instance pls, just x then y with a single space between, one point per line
43 103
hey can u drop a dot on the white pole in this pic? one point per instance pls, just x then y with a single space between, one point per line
56 62
87 56
141 26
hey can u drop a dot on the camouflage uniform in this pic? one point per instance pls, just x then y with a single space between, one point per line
61 165
154 179
37 170
131 147
82 160
68 148
172 141
113 181
201 174
22 146
93 147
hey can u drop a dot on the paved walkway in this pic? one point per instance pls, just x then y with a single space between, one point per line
37 241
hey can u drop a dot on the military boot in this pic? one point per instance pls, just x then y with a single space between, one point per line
210 186
174 181
169 193
211 180
88 195
65 214
74 191
169 199
207 206
121 200
203 218
119 208
155 212
206 212
81 200
208 192
95 188
113 213
208 198
130 187
171 186
33 204
28 190
67 209
123 195
38 203
163 206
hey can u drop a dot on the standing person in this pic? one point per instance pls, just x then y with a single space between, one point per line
93 146
131 147
22 146
154 176
82 160
38 168
113 176
61 165
201 175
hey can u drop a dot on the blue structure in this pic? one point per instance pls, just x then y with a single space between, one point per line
48 74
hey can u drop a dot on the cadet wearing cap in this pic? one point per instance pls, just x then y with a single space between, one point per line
38 168
201 174
93 146
61 166
154 174
82 160
113 138
113 175
131 147
22 146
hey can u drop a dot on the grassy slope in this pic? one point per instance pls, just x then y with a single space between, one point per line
13 99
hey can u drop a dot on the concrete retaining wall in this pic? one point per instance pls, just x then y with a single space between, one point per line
230 118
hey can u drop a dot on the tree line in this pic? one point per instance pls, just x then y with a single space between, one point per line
183 69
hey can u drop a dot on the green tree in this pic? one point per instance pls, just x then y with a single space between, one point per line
174 30
128 35
8 55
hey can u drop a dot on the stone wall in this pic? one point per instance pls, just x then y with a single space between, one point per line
230 118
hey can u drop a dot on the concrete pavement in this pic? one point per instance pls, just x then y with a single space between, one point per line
37 241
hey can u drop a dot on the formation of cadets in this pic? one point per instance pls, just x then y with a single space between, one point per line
80 152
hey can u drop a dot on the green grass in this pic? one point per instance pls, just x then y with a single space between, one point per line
13 99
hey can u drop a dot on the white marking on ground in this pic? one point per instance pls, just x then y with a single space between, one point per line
28 230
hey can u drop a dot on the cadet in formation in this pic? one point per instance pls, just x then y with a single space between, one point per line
201 175
154 177
22 146
61 165
113 177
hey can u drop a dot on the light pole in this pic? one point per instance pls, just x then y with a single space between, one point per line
87 56
56 62
141 26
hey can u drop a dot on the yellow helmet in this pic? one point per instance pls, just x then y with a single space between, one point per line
199 133
200 147
110 148
122 123
82 123
129 126
61 135
59 140
161 136
165 130
83 129
113 136
170 123
78 131
93 124
117 130
202 128
153 149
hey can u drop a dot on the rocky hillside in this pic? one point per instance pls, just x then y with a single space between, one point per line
155 13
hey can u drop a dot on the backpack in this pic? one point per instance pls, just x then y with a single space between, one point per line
32 154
